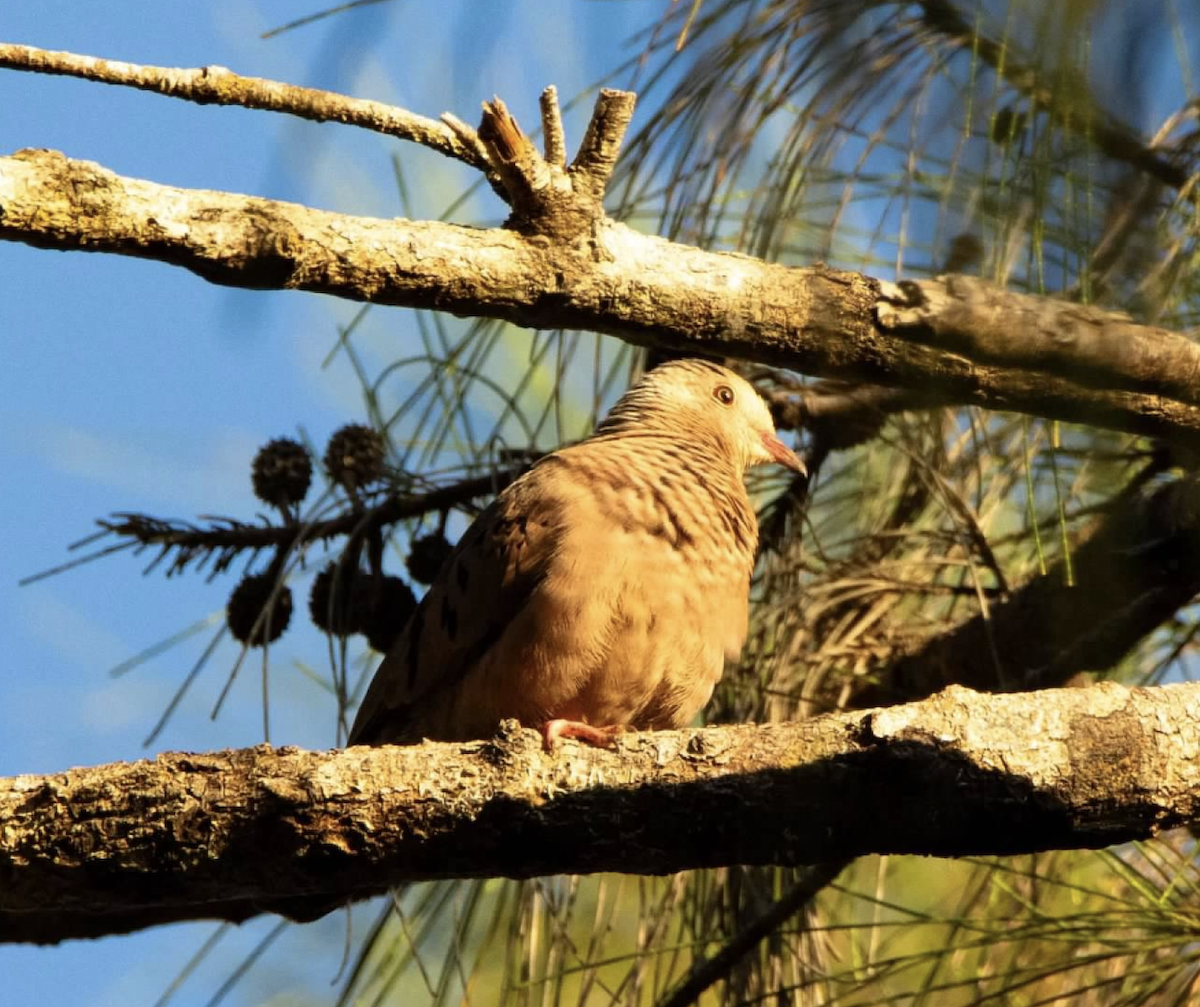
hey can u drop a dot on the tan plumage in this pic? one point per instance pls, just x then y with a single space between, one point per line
604 589
607 586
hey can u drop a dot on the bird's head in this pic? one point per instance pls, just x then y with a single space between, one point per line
709 402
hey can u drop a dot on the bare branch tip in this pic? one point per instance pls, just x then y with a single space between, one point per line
464 131
555 143
601 144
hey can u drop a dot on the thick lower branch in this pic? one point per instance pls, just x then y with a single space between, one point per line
113 848
638 287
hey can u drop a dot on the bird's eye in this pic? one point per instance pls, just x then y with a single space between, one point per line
724 395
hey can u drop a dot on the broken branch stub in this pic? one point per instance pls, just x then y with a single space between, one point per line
546 197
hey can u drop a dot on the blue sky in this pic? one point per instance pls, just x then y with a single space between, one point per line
130 385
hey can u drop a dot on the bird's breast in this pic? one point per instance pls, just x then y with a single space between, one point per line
660 495
649 595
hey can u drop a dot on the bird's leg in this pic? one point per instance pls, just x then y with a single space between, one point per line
601 737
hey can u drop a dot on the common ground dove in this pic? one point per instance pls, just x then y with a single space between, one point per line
601 591
604 589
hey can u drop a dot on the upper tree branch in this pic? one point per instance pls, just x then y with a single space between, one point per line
1097 348
216 85
114 848
563 263
641 288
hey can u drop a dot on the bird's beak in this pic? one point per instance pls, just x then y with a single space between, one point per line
782 454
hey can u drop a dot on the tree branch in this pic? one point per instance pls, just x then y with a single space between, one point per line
638 287
216 85
989 325
115 848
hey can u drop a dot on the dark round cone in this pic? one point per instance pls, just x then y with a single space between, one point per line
281 473
249 598
336 603
354 456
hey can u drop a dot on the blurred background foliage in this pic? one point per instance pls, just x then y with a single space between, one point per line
1049 147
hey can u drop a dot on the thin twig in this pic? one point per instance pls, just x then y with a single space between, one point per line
228 538
217 85
554 142
602 142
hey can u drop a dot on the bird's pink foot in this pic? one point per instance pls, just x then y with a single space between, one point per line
601 737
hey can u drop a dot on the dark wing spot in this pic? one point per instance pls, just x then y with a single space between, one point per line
461 574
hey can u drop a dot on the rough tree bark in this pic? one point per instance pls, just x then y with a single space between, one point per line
113 848
1086 366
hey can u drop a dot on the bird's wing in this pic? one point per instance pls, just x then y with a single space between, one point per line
487 580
